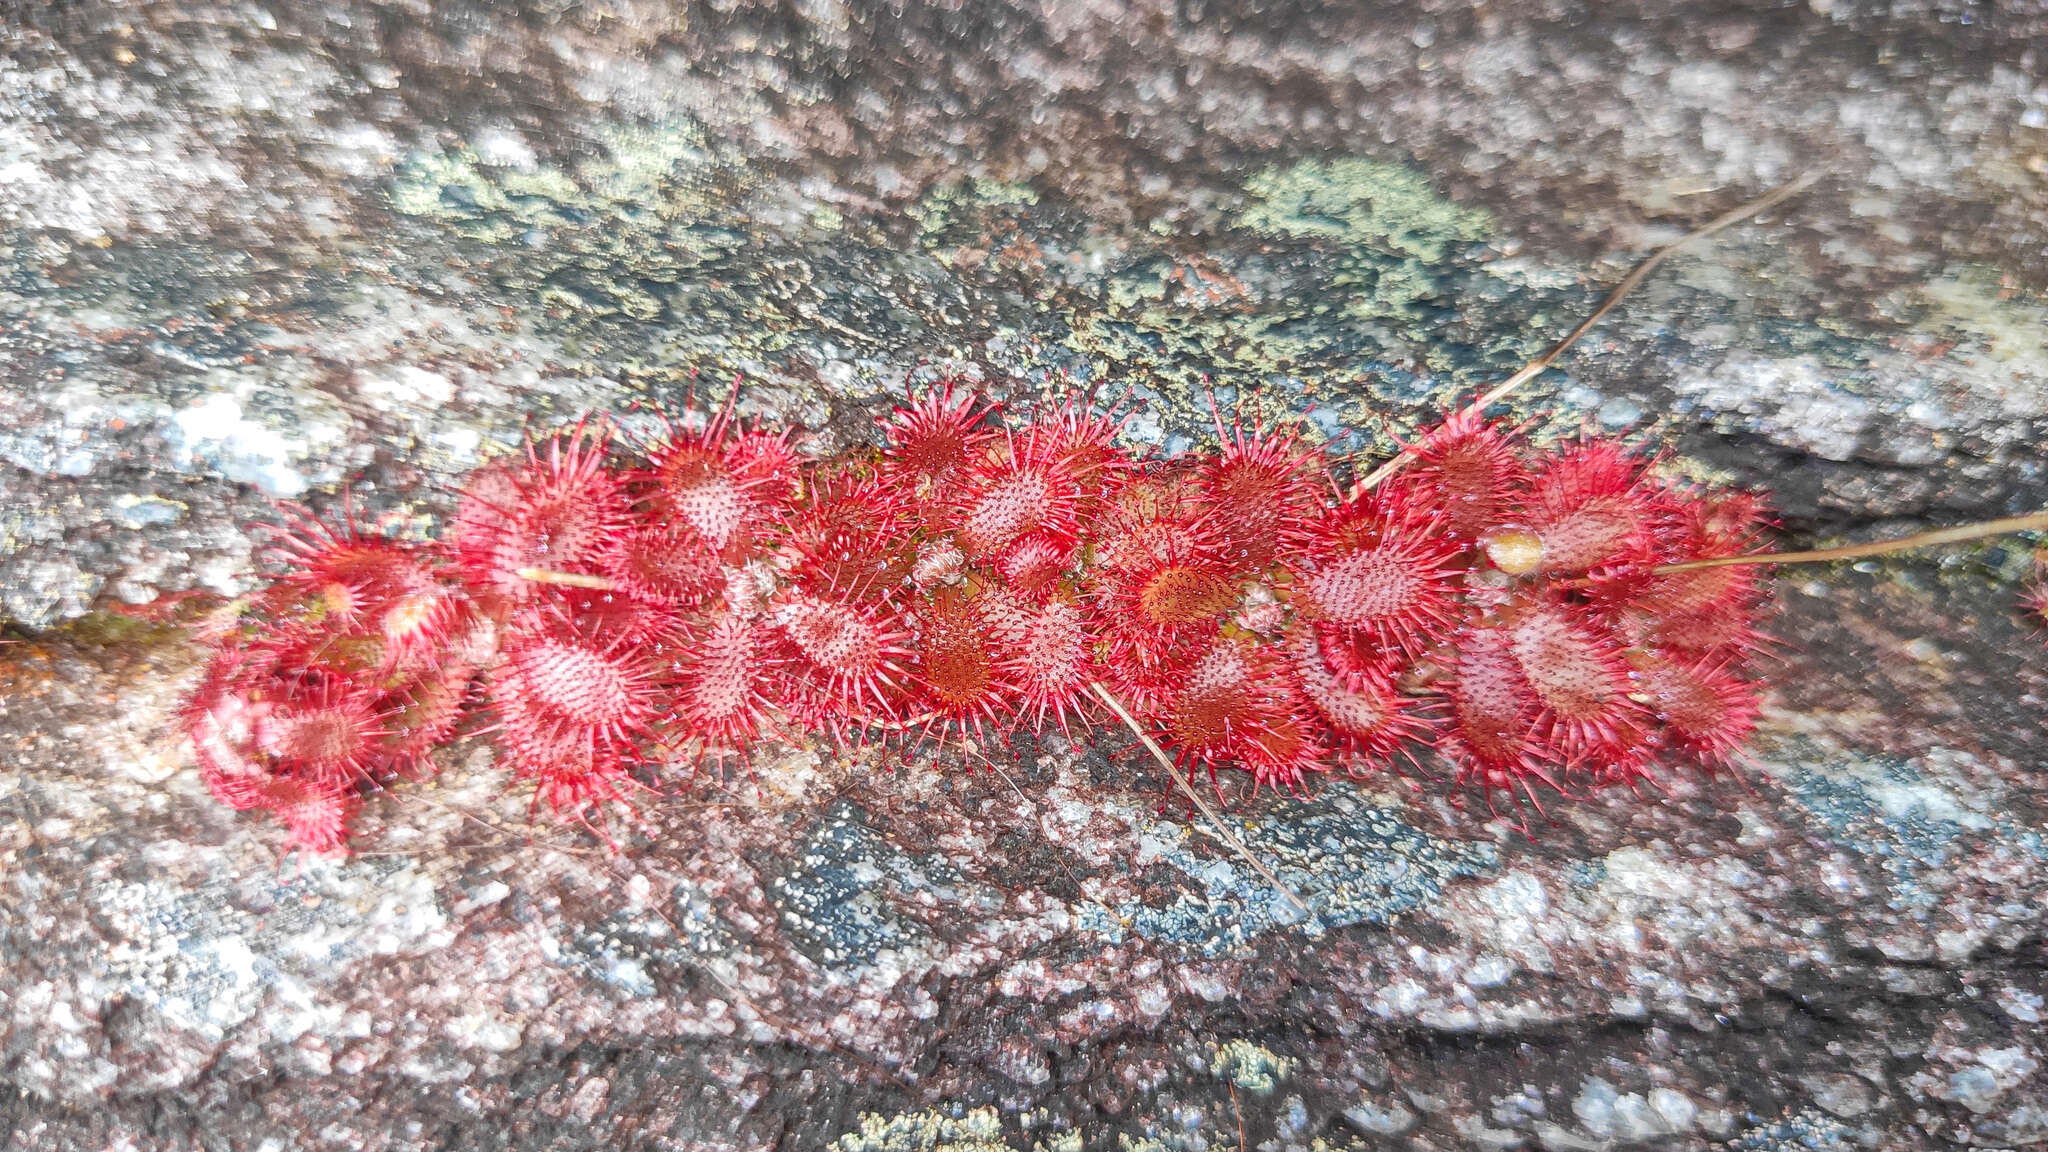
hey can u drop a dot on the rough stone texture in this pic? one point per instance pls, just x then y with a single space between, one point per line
259 249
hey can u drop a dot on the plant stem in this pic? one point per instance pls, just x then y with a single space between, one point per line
1208 810
567 579
1536 367
2035 522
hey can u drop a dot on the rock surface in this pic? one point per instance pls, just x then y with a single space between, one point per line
252 250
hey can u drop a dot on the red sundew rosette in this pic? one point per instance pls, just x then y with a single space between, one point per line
972 580
341 675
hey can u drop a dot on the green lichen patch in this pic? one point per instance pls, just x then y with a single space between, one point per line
670 173
1331 281
2008 325
1250 1066
962 212
606 238
1329 290
974 1130
665 259
1358 202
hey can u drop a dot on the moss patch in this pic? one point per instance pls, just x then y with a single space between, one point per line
115 631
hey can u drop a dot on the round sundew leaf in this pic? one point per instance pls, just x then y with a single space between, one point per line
932 439
1261 493
558 509
1467 470
1186 593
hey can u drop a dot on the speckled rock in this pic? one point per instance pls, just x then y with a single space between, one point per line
253 251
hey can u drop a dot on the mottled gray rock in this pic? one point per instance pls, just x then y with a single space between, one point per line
256 251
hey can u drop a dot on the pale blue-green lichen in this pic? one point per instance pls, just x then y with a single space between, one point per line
2008 325
606 251
1897 813
1321 290
838 903
1807 1130
667 173
1353 860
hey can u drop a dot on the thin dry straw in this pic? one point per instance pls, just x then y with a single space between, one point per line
568 579
1536 367
2033 522
1202 802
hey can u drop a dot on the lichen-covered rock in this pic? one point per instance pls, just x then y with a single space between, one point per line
261 251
